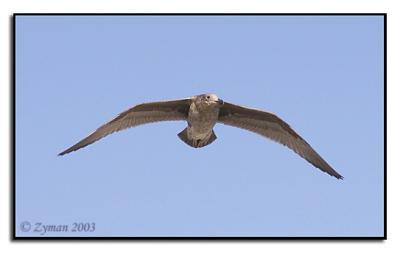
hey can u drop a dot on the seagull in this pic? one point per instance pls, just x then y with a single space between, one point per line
201 113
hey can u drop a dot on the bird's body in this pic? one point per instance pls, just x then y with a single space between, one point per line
202 112
202 117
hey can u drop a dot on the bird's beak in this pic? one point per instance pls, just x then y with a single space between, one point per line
220 101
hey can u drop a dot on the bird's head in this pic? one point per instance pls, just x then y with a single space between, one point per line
209 100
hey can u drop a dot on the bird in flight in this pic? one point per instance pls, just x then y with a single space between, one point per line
202 112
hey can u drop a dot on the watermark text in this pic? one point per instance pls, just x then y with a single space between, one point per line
43 228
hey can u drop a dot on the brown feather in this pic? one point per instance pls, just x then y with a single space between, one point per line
137 115
274 128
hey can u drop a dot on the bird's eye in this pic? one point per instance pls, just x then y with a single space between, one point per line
208 97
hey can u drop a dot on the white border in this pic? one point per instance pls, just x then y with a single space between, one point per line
282 6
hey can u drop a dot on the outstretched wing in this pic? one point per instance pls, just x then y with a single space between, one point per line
137 115
272 127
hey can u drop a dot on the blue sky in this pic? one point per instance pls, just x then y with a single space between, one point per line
323 75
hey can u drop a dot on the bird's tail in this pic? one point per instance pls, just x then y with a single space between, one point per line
196 143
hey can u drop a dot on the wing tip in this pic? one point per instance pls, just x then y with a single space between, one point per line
338 176
65 152
62 153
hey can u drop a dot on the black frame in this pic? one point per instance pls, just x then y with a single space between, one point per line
13 236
